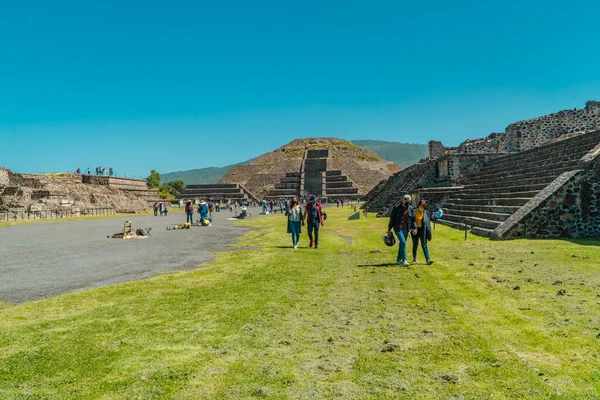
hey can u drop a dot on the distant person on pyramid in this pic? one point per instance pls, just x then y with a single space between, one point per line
294 227
313 214
402 220
423 232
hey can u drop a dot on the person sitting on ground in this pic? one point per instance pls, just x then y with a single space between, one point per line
244 212
189 211
294 227
423 231
402 219
203 211
314 216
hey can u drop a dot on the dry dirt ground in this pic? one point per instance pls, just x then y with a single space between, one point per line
45 260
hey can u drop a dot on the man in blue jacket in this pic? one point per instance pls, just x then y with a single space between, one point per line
402 220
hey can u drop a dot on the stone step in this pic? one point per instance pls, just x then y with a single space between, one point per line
493 216
213 186
509 190
338 178
530 172
554 150
342 191
333 173
533 164
11 191
288 179
455 205
475 230
294 186
333 185
485 201
474 221
544 181
479 231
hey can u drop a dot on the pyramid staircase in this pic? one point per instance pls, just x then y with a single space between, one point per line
397 186
217 192
288 187
338 186
507 183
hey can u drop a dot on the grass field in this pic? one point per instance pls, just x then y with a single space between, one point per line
518 319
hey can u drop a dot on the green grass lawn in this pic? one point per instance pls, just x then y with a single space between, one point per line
518 319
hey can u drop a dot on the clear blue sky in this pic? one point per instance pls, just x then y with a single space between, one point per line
189 84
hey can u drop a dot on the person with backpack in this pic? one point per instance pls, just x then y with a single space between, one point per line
189 210
402 220
155 208
295 217
423 233
314 216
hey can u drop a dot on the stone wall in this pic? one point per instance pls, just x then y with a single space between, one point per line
436 149
494 143
569 207
4 177
527 134
524 135
457 169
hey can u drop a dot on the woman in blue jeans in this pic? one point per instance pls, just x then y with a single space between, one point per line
294 227
402 220
423 232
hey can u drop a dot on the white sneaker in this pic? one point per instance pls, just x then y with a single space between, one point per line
295 247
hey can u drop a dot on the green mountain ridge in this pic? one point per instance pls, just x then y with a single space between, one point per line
403 154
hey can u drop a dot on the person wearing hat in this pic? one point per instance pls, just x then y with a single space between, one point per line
203 211
244 212
402 220
314 215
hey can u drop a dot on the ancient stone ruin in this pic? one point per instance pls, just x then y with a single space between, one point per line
540 178
325 167
24 193
217 192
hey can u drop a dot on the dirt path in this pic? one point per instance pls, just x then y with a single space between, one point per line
45 260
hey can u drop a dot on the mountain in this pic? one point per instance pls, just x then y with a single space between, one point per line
200 176
403 154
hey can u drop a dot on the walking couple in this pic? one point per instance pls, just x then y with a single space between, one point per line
313 215
405 218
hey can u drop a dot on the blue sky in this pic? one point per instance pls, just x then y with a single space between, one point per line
189 84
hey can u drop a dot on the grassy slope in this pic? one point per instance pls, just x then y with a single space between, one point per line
332 323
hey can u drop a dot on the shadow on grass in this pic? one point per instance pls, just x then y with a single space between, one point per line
585 242
378 265
287 247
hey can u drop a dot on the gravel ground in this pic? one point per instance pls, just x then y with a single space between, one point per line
45 260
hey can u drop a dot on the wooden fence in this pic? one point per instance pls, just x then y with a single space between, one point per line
55 214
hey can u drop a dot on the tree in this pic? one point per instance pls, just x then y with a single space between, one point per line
172 188
153 179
